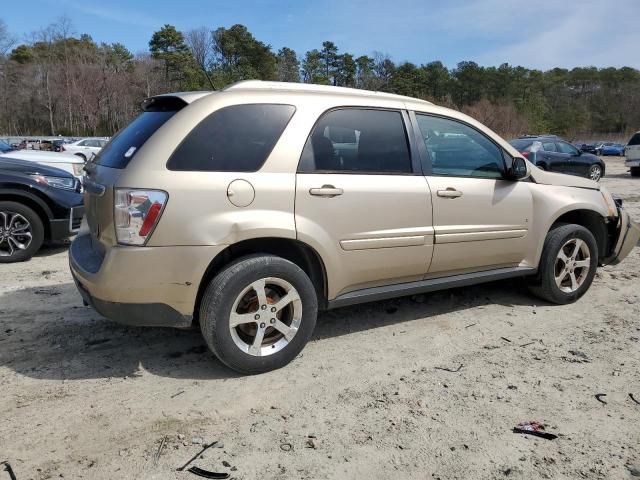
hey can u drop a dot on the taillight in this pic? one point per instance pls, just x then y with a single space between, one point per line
136 213
525 154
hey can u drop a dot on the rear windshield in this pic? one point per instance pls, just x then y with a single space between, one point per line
124 145
635 140
521 145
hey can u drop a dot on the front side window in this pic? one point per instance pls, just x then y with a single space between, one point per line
635 140
357 140
564 147
457 150
238 138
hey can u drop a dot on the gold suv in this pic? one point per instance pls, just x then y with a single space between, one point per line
249 209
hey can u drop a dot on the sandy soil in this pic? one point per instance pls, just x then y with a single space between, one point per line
82 397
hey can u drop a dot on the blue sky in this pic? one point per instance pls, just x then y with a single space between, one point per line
538 34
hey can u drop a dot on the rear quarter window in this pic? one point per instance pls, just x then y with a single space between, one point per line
238 138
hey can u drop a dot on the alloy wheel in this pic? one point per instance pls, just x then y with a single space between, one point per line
265 316
595 173
15 233
572 265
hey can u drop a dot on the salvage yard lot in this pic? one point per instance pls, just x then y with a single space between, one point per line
82 397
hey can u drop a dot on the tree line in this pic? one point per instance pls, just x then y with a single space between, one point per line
57 83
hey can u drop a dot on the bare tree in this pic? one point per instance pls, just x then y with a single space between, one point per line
199 42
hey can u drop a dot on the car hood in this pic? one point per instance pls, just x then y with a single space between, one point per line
561 180
30 168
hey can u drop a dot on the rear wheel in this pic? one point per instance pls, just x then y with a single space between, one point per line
567 265
635 171
595 172
258 313
21 232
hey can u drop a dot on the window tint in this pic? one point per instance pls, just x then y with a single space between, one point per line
238 138
458 150
549 147
83 143
122 148
635 140
357 140
564 147
521 145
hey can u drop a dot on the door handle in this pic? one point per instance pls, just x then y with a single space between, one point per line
449 193
326 191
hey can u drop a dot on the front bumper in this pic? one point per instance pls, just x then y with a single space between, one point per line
142 286
61 229
627 237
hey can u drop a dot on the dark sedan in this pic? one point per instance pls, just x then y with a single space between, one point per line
554 154
37 204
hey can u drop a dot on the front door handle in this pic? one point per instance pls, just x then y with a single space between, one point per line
326 191
449 193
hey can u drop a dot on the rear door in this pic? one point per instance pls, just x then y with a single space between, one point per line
361 200
481 220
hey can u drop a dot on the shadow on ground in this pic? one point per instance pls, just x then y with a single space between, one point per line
47 334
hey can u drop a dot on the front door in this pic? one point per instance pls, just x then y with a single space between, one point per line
360 201
480 219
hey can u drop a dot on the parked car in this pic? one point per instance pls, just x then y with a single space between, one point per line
251 208
65 161
5 147
590 147
556 155
37 204
632 151
86 148
610 148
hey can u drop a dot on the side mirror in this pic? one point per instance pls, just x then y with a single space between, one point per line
519 169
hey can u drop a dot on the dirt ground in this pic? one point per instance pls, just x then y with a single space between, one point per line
82 397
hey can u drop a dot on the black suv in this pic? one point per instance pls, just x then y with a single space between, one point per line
37 203
550 152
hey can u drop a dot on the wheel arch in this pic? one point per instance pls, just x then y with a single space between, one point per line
295 251
592 221
34 204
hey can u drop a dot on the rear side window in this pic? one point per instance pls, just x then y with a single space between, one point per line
354 140
635 140
238 138
121 149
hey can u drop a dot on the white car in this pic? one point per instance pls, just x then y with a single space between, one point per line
87 148
632 151
64 161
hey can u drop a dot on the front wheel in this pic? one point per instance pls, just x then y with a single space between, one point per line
21 232
567 265
258 313
595 172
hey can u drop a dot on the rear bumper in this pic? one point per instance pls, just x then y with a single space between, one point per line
632 163
627 237
143 286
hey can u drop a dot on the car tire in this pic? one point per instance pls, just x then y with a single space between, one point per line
83 157
596 172
567 266
256 338
635 171
21 232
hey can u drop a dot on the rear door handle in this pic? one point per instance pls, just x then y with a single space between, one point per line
449 193
326 191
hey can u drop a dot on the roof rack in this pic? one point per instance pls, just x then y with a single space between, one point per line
311 88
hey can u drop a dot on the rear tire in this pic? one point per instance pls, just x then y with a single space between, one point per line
567 265
21 232
258 313
635 171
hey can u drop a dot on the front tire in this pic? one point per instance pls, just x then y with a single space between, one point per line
21 232
635 171
567 265
258 313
